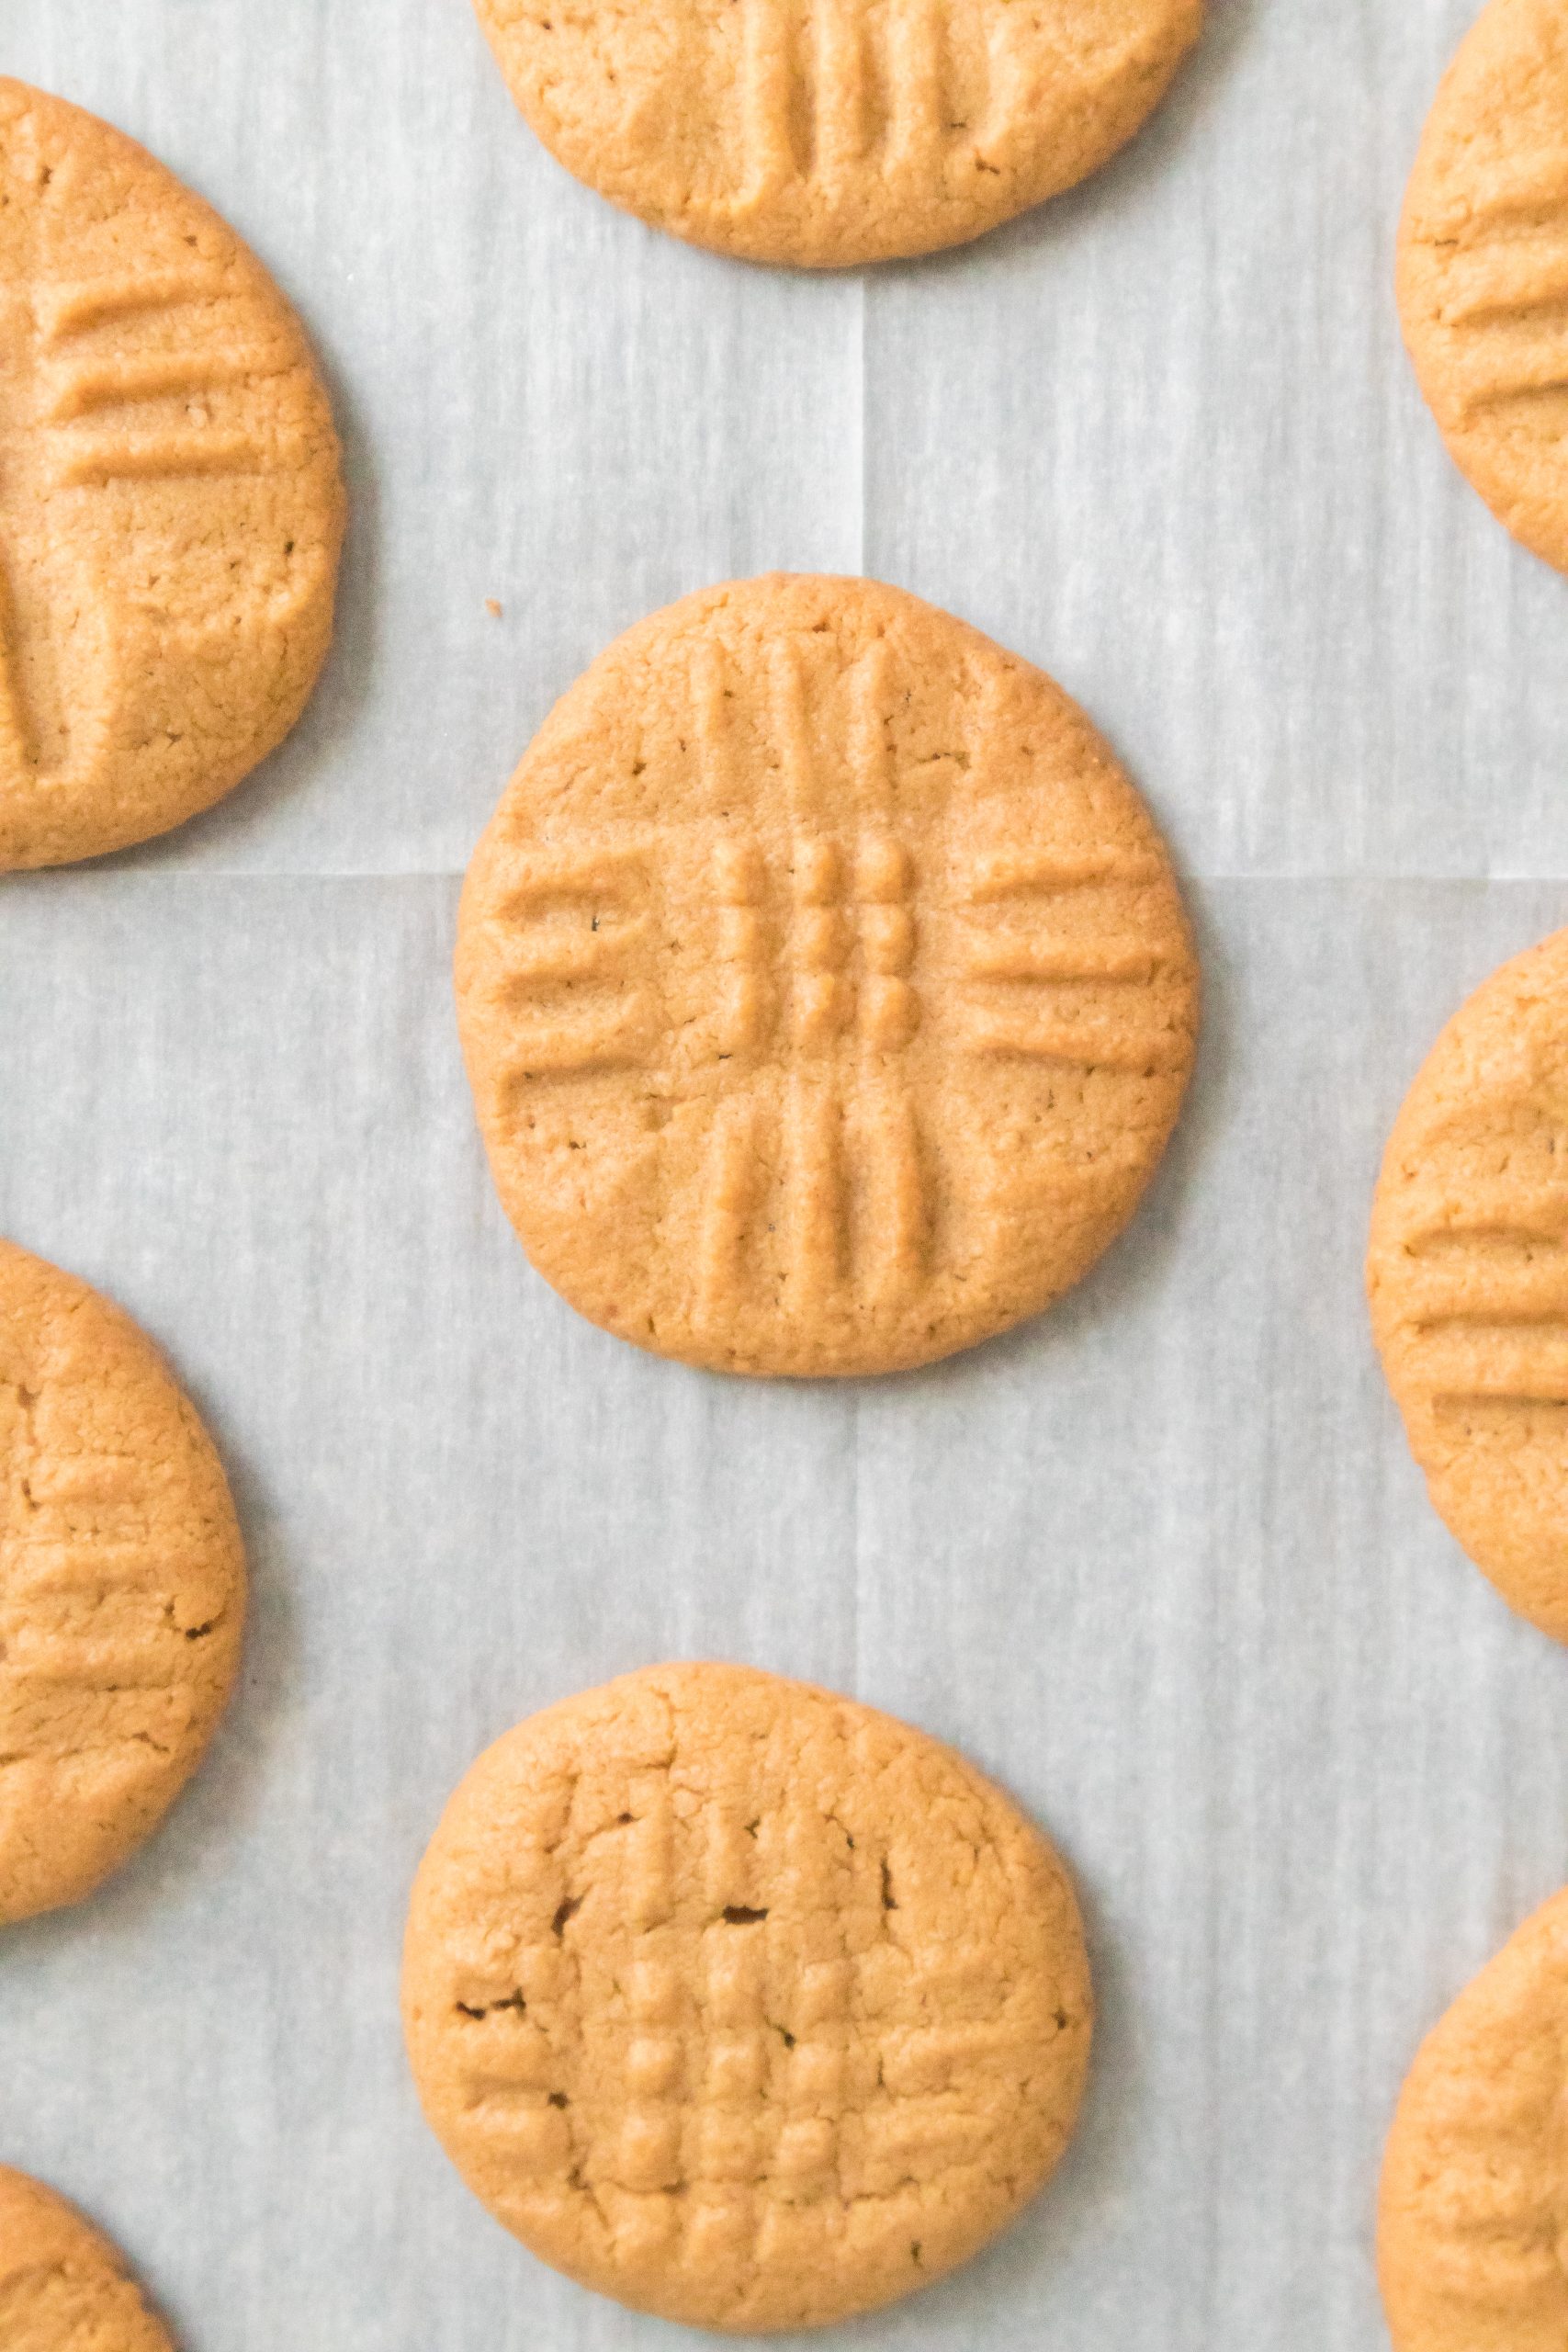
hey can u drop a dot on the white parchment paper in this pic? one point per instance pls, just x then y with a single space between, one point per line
1159 1562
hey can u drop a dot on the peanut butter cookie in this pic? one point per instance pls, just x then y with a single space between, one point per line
170 502
62 2287
742 2003
1468 1277
121 1587
1471 2228
824 984
1483 266
830 132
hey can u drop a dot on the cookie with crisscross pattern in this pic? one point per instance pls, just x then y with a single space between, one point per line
827 132
1467 1275
1474 2219
171 508
743 2002
122 1588
1483 266
824 983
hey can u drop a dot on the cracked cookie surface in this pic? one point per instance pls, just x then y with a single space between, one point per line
824 984
122 1588
825 133
64 2287
1483 266
743 2002
171 505
1467 1275
1474 2212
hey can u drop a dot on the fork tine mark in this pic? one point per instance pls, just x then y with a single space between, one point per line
173 375
814 1190
887 939
1520 374
871 752
792 735
883 871
88 1478
618 1043
1008 79
711 730
841 80
899 1220
890 1014
820 930
67 310
1500 1362
1526 1388
1509 284
1454 1289
73 1662
768 99
1007 873
916 63
889 1008
990 955
19 745
739 880
742 948
67 1571
1074 1043
820 939
541 876
536 961
164 456
1516 190
888 1011
728 1193
78 1725
1498 1212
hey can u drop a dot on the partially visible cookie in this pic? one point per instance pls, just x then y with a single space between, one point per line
742 2003
1467 1274
1483 266
171 507
1474 2205
824 985
64 2287
830 132
122 1588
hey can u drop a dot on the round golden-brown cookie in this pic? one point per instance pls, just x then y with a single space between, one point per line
1483 266
740 2002
1472 2224
64 2287
1467 1274
171 507
824 984
828 132
122 1588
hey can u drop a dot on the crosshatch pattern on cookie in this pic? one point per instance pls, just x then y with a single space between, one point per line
831 131
121 1590
716 2028
1483 266
1474 2203
858 948
169 504
1467 1269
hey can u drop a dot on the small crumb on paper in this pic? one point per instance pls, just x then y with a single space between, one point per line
492 606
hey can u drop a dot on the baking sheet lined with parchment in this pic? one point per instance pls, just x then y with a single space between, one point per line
1160 1561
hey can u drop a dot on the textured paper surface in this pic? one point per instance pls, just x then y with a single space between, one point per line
1161 1562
